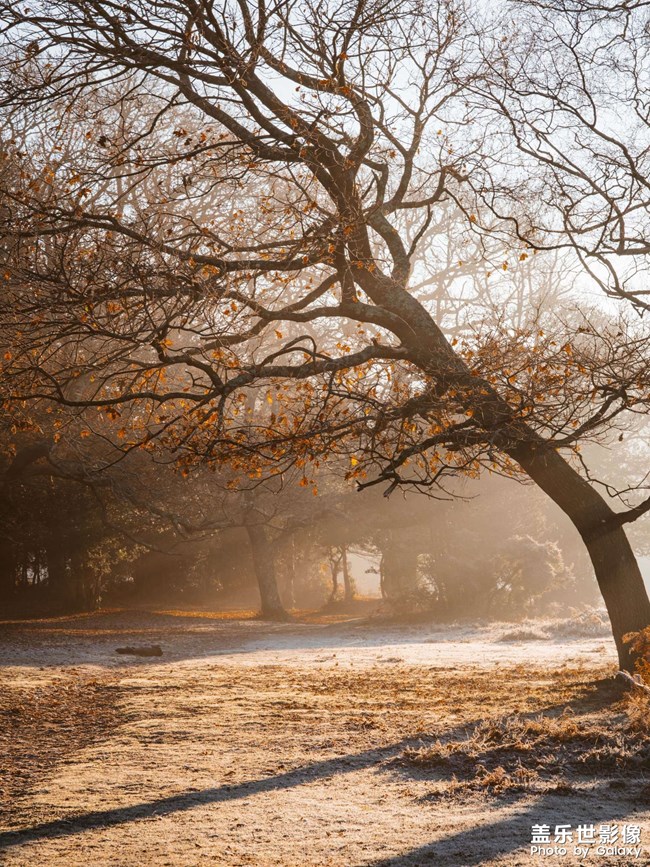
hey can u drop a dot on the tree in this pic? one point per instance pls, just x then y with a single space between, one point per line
131 282
58 548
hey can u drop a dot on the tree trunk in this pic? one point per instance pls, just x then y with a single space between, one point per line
399 570
264 563
617 572
7 570
347 580
58 580
615 566
85 584
622 586
291 572
334 569
382 577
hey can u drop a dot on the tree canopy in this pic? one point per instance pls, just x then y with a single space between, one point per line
222 224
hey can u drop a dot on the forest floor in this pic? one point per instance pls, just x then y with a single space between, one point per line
320 742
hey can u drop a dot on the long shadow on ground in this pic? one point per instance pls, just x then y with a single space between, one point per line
190 800
468 847
483 842
493 835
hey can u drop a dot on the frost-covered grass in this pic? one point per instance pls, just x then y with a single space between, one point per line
587 623
544 752
308 744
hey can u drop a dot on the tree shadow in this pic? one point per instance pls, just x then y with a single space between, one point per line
493 839
190 800
610 793
594 694
546 743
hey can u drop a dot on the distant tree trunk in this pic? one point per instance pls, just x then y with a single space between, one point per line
36 567
291 572
347 580
57 574
85 585
335 565
264 563
388 577
7 569
398 570
617 571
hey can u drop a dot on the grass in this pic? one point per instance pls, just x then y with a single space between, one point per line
495 730
542 752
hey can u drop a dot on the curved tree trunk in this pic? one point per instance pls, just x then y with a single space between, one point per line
617 571
264 563
622 586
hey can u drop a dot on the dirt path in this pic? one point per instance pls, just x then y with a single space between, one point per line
306 744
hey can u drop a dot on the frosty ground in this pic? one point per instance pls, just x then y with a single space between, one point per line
318 742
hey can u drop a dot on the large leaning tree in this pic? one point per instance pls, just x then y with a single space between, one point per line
216 221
